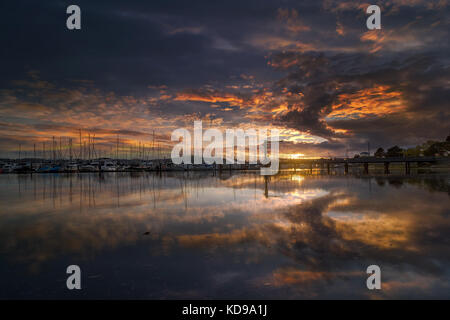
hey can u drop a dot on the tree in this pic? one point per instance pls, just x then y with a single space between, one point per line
437 148
413 152
379 153
395 151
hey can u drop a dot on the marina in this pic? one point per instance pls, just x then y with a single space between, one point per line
110 165
137 165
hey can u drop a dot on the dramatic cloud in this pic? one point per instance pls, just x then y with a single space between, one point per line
310 68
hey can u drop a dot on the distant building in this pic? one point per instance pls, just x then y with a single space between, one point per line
364 154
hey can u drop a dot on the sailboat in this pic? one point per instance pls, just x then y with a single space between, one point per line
108 166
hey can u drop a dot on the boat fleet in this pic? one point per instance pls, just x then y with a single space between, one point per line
109 165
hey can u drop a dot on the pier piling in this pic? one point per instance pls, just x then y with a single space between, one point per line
407 168
386 168
366 167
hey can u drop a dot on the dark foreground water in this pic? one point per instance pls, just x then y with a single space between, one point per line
189 236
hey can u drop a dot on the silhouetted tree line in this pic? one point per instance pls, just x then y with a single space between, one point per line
427 149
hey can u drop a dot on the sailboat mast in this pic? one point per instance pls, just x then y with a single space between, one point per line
70 149
81 148
53 149
117 148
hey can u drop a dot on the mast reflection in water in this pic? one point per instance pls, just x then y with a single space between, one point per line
199 235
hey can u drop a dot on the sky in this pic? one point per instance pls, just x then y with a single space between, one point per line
140 69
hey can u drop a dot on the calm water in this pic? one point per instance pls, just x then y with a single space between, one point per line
237 236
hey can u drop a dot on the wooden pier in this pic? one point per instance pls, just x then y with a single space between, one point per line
364 161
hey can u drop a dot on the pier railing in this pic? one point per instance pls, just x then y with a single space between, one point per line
365 161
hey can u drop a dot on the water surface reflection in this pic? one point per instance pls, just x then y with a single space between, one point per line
197 235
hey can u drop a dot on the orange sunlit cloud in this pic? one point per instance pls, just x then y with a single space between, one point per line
292 20
212 97
376 101
375 38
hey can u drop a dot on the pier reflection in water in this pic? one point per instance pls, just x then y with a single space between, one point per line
200 235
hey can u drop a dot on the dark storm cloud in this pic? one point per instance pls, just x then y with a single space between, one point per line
407 62
421 80
128 45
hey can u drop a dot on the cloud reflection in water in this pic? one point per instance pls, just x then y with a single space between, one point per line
290 236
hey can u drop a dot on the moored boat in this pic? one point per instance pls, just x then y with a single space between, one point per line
108 166
71 167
